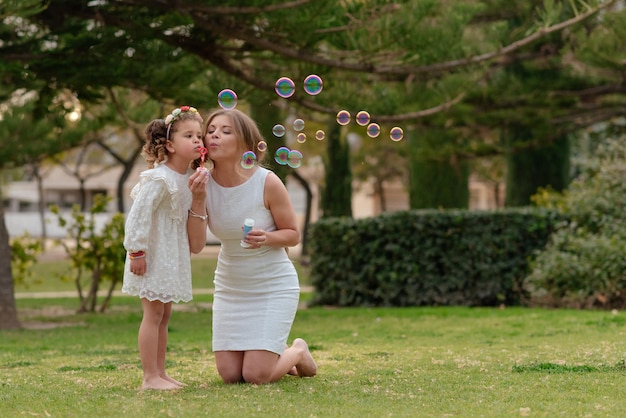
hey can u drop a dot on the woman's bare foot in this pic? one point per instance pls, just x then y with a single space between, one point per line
293 371
159 384
307 366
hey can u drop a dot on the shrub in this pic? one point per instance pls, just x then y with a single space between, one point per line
24 252
431 257
583 264
95 255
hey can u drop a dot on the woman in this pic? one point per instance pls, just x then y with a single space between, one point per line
256 285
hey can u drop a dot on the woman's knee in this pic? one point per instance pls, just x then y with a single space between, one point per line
231 378
256 375
230 374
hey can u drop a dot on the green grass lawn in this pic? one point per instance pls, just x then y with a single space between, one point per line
402 362
380 362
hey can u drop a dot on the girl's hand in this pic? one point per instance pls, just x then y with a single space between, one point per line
138 266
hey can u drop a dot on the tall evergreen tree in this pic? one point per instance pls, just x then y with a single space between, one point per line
530 168
436 183
337 192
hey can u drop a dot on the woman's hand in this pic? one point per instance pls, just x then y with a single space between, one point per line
256 238
197 184
197 224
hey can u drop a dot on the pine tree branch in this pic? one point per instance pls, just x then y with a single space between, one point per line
289 51
221 10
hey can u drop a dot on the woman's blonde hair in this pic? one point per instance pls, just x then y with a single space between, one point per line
245 129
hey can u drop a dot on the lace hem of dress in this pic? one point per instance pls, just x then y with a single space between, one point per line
152 296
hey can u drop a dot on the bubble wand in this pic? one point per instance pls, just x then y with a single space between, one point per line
203 153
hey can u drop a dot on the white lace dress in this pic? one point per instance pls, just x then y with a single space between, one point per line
157 224
256 290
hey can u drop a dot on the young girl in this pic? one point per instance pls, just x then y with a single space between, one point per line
256 287
158 264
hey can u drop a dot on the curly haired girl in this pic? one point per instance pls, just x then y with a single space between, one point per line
158 263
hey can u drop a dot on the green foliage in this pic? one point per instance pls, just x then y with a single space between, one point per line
416 258
21 7
24 252
583 264
96 254
27 138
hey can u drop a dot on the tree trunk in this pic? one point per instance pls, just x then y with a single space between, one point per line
531 168
8 310
436 184
307 215
379 190
42 203
109 295
127 170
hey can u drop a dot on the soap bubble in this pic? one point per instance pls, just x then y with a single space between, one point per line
396 134
362 118
294 159
320 135
285 87
278 130
343 117
262 146
301 137
298 125
313 84
227 99
373 130
248 160
281 155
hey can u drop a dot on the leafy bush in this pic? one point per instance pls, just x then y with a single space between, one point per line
97 254
431 257
24 252
584 263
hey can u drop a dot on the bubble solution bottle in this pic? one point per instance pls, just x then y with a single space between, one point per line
248 224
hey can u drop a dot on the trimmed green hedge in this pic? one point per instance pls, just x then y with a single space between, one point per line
426 257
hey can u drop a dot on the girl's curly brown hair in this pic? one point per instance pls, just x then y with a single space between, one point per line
155 140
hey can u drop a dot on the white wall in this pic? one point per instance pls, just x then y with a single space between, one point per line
29 223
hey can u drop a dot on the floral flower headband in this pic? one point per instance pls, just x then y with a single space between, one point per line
171 118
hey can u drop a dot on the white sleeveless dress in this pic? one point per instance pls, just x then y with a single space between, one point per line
157 224
256 290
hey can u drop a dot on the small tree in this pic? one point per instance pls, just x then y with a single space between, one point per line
24 252
95 255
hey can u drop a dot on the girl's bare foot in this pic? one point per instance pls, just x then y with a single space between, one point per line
307 366
158 384
174 381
